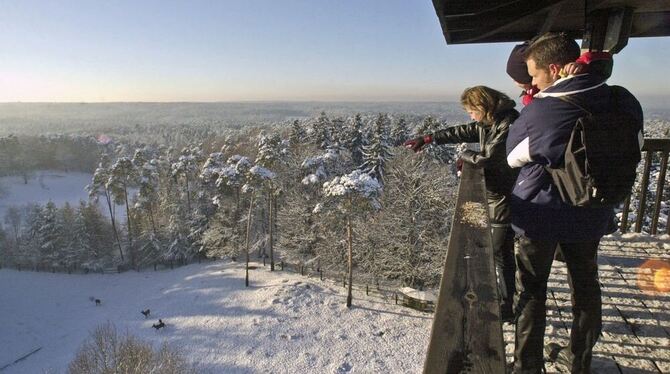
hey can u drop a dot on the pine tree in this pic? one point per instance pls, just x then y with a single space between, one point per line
256 179
399 132
122 177
99 187
378 152
49 236
13 221
321 132
270 154
354 194
354 140
186 169
66 218
82 238
298 135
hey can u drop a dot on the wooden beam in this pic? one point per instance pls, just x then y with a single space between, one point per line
467 332
607 29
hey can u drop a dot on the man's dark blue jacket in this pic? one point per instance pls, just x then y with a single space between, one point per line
538 138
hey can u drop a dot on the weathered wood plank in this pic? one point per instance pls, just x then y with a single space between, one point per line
467 332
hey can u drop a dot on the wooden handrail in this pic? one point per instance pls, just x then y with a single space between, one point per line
467 332
650 147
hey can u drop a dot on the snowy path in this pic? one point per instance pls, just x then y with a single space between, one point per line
284 323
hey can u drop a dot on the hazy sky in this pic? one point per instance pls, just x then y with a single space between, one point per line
238 50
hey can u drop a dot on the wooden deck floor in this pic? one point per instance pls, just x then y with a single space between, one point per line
636 324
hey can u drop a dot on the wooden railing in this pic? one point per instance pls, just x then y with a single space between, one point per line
467 332
650 147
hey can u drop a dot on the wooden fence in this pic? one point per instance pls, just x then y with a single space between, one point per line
650 147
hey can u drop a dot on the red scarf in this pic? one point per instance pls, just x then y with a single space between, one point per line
527 95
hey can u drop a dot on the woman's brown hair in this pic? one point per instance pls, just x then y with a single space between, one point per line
487 100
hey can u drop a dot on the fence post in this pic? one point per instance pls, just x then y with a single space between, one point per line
282 265
624 215
321 274
367 290
302 269
659 193
643 193
396 298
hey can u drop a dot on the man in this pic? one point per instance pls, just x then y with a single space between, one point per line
541 220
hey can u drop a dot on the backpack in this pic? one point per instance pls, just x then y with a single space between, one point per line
601 157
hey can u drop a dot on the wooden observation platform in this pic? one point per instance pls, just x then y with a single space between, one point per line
467 335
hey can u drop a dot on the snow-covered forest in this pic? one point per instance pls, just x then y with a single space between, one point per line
255 188
334 191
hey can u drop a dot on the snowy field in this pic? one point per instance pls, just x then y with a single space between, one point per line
49 185
283 323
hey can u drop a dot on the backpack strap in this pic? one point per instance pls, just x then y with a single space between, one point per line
574 102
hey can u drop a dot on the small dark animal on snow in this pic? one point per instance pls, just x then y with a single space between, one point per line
158 325
97 302
146 313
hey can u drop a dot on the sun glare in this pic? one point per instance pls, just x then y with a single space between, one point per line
654 276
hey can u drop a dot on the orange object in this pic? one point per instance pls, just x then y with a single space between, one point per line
654 276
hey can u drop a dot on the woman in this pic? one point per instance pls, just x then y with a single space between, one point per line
493 113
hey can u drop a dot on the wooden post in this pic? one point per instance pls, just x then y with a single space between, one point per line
467 330
659 193
395 294
624 215
367 290
644 185
321 274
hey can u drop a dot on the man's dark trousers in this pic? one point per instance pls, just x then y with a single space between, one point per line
533 260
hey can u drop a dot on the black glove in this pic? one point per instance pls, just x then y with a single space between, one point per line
418 143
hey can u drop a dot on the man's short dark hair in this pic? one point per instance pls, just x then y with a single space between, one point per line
552 48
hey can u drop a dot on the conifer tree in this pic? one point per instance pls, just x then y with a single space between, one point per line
255 179
49 236
354 141
297 135
270 154
378 152
99 187
399 132
353 194
122 177
321 132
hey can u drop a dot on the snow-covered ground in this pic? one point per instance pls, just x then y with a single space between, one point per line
49 185
283 323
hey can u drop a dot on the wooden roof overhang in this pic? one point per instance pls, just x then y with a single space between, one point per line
472 21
